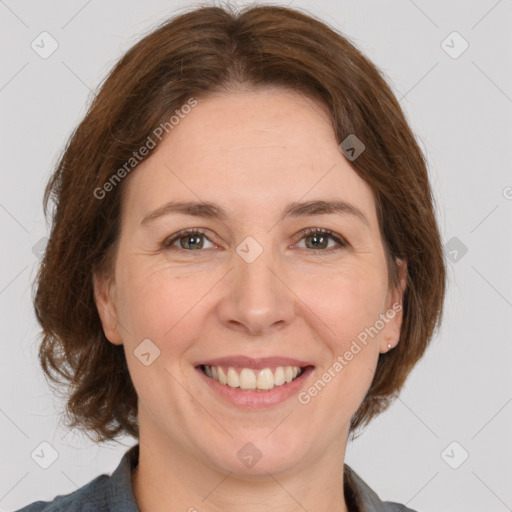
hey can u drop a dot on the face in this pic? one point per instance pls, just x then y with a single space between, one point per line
252 283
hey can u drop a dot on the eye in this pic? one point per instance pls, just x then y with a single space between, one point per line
320 239
192 239
191 236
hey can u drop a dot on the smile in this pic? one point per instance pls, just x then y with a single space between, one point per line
247 379
275 391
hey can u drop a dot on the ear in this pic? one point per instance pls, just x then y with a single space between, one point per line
104 296
394 309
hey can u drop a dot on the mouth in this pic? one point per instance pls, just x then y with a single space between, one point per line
263 379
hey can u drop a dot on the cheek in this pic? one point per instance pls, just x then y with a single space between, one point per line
347 301
160 305
350 304
160 308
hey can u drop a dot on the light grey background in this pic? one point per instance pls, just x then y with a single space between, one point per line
461 110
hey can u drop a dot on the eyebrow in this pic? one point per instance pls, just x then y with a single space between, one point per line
297 209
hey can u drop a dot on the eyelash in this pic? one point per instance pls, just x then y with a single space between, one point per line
167 244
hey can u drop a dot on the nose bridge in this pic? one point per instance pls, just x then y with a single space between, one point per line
256 280
258 297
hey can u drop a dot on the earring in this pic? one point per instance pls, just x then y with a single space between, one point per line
389 345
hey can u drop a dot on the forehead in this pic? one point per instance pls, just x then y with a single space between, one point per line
249 151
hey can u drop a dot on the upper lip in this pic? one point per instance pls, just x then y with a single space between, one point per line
255 363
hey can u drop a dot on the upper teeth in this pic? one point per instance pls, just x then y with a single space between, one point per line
253 379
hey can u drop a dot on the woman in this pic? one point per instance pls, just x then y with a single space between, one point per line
244 266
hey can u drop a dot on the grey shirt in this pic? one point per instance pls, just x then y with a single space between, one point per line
114 493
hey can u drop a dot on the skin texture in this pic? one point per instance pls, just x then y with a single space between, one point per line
252 152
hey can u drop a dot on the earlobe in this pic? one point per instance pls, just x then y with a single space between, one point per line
105 304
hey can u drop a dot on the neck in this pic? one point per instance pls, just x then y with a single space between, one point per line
169 477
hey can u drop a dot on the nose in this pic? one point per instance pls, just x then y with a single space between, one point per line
256 298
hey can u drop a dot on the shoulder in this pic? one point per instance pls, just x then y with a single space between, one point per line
106 493
88 498
367 499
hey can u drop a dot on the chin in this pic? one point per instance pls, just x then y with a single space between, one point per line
254 456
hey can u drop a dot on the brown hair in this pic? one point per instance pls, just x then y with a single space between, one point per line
206 49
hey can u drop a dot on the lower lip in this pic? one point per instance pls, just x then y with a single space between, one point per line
257 399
